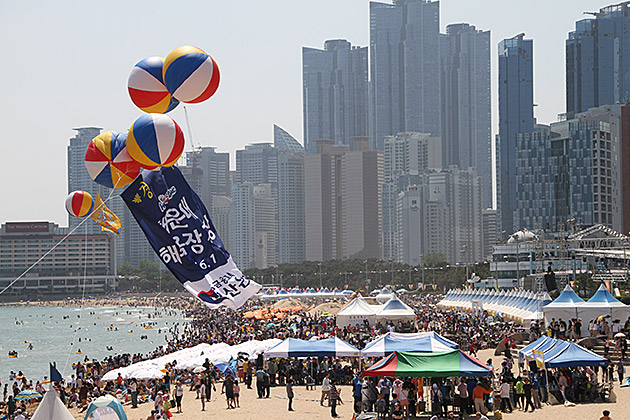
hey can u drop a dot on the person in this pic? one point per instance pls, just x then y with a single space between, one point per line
209 379
504 392
202 389
19 416
620 370
260 383
228 390
237 394
357 388
385 386
334 396
381 406
436 400
153 415
179 394
528 388
397 412
463 396
520 394
133 388
325 389
478 394
481 416
606 415
290 393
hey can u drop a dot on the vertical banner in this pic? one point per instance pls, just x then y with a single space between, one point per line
178 227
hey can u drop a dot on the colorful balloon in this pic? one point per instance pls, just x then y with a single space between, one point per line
79 203
146 87
190 74
155 140
108 161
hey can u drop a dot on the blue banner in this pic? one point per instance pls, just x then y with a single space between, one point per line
178 227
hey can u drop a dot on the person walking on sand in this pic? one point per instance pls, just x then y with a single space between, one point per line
179 394
290 393
325 389
334 396
228 390
202 389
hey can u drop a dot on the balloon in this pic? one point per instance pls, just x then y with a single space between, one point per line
190 74
79 203
108 161
146 87
155 140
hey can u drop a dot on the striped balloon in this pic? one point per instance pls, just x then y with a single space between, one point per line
190 74
108 162
146 87
155 140
79 203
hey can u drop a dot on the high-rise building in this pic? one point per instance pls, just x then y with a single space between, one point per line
220 214
571 170
212 170
490 231
598 60
335 93
284 141
242 225
516 115
342 189
258 164
466 111
291 227
404 68
411 154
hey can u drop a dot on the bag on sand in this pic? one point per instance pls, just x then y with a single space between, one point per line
498 415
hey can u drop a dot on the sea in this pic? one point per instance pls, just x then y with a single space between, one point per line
55 334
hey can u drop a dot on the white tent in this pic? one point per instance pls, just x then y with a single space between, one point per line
566 306
356 312
395 309
603 303
384 295
51 408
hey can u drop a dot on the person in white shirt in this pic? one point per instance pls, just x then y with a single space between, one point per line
504 391
19 416
325 389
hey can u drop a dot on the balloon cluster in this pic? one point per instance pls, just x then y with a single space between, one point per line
156 85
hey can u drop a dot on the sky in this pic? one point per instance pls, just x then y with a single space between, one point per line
66 63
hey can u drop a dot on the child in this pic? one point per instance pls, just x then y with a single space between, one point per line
290 393
237 393
381 406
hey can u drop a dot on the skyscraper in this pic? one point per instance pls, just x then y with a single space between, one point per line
404 68
214 173
465 89
284 141
335 93
291 227
516 115
598 60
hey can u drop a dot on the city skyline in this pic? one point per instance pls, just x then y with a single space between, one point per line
85 80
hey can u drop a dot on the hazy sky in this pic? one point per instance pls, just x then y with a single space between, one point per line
65 64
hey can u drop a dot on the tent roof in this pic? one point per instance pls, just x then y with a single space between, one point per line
358 306
560 353
604 296
106 401
51 408
395 304
416 342
329 347
567 296
429 365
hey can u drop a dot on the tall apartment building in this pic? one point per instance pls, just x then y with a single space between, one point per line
598 60
212 169
335 93
342 189
291 208
574 169
516 115
466 111
404 68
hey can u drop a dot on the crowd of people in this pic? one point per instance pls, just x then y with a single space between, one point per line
396 397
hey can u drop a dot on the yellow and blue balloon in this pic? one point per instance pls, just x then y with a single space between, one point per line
155 140
190 74
79 203
146 87
108 162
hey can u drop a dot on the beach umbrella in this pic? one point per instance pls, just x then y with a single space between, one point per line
28 394
620 335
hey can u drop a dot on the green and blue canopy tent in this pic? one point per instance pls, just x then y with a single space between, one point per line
428 365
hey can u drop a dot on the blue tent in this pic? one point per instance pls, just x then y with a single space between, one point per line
568 296
329 347
603 296
560 353
424 342
105 405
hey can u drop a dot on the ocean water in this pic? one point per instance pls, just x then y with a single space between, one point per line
57 333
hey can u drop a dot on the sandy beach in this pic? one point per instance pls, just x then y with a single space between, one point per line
306 405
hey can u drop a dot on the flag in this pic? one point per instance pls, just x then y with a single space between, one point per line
55 375
572 283
539 357
424 287
104 217
178 227
607 283
434 286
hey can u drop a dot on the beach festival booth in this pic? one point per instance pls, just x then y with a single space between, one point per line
329 347
603 303
106 407
51 408
395 310
356 312
429 365
425 342
561 354
565 306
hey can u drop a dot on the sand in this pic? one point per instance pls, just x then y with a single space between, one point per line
306 405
